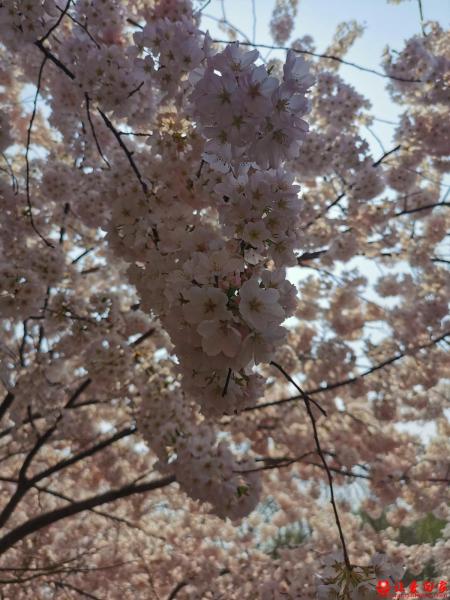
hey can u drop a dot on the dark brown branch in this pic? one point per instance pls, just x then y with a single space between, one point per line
348 380
385 155
336 201
94 135
77 393
91 270
54 59
6 403
227 383
56 25
440 260
82 255
135 133
143 337
40 442
53 516
276 463
69 586
176 589
303 395
202 8
312 418
135 23
10 171
408 211
23 342
62 231
128 154
27 161
96 511
83 27
22 482
286 461
323 213
310 256
422 20
41 327
70 404
136 89
199 171
63 464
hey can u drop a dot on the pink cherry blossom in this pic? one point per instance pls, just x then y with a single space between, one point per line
259 306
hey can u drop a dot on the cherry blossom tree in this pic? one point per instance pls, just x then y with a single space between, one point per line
178 419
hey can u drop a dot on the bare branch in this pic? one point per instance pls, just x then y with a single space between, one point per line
69 586
27 162
54 59
176 589
328 56
94 135
312 418
63 464
409 211
56 25
348 380
143 337
128 154
53 516
385 155
6 403
303 394
227 382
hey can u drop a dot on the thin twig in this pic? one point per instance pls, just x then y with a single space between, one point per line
136 89
82 255
422 20
62 231
97 143
56 25
135 23
303 394
143 337
27 162
79 591
41 327
225 21
127 152
254 21
380 143
176 589
10 171
134 133
408 211
385 155
83 27
53 516
349 380
227 383
328 56
202 8
23 342
312 418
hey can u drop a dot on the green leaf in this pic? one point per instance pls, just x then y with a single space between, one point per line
242 490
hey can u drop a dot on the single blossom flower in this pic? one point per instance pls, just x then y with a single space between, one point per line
219 336
259 307
205 303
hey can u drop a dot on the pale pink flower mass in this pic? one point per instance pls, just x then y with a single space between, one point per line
224 291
